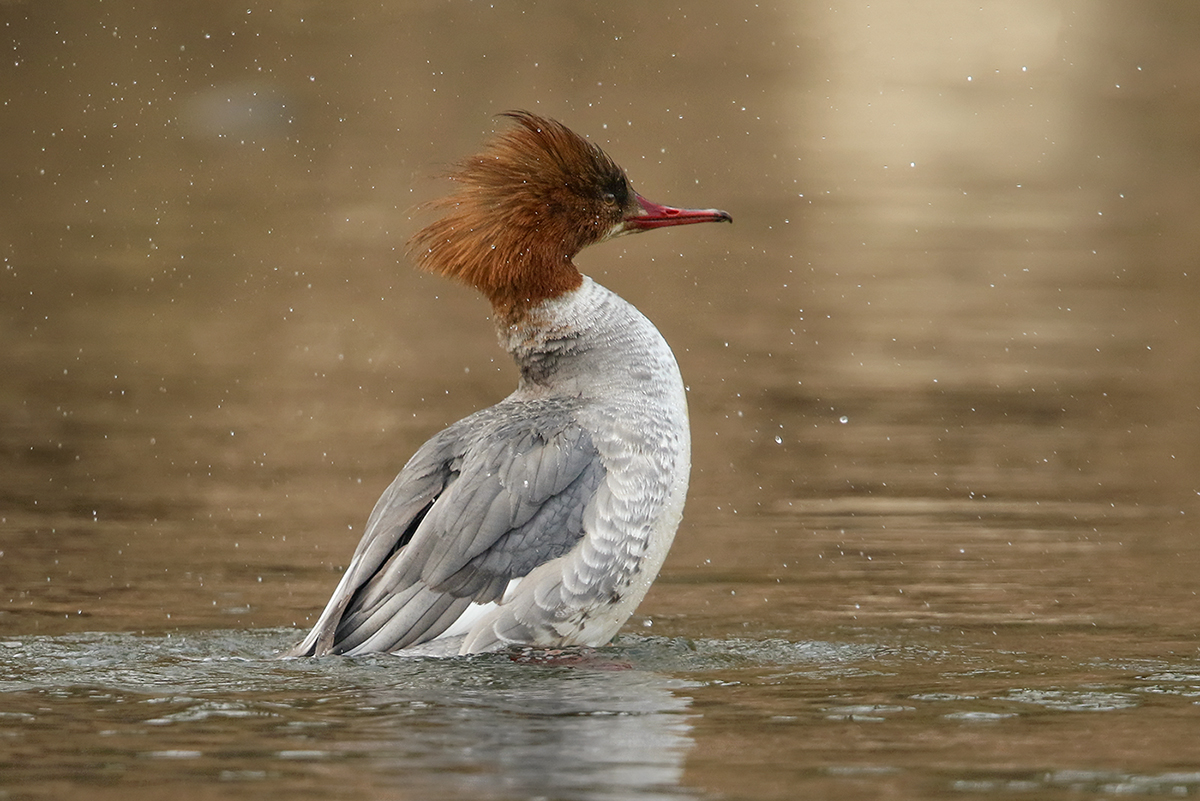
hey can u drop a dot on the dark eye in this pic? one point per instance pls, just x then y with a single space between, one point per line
614 191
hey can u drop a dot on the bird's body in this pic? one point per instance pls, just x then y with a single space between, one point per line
543 520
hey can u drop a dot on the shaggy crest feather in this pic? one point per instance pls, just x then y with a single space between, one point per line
523 207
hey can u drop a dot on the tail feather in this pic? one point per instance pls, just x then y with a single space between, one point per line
416 615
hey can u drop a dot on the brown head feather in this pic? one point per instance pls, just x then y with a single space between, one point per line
522 209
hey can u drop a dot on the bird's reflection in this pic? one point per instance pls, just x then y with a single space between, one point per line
539 732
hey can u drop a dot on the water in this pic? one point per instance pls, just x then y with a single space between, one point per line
940 541
217 708
651 717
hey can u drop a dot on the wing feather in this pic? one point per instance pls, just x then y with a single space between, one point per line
485 501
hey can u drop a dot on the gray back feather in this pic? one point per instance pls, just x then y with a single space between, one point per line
483 502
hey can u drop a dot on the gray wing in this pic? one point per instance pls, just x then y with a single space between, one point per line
485 501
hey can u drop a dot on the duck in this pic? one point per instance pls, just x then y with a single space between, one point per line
542 521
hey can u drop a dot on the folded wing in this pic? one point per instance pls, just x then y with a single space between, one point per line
480 504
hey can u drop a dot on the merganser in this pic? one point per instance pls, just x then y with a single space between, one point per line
540 521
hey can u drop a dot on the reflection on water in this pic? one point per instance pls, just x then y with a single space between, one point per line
217 707
940 537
